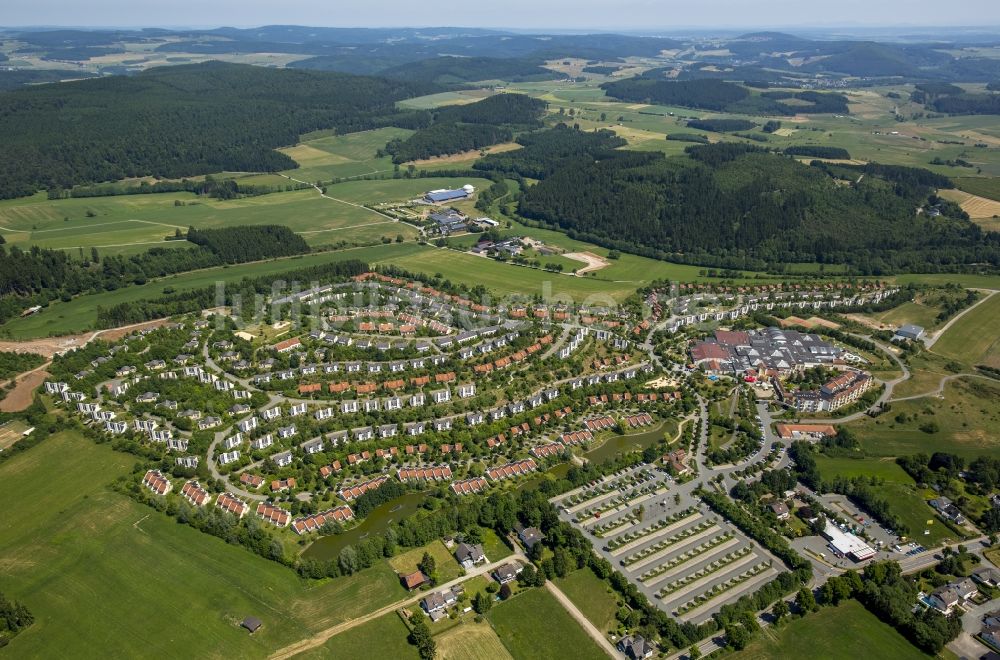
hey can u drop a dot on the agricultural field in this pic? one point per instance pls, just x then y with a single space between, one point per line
592 596
821 636
325 157
534 625
471 641
127 224
962 422
76 552
432 101
983 211
384 637
975 338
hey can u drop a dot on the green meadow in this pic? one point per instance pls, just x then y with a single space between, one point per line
106 576
845 631
533 624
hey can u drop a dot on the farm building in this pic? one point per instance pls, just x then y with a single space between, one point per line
444 195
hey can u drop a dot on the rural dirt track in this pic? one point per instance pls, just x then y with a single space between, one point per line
584 622
323 636
20 397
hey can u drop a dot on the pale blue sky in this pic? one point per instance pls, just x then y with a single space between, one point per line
526 14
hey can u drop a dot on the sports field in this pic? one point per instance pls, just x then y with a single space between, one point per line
833 633
106 576
534 625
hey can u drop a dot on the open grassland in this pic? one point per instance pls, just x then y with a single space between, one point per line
966 419
444 98
470 641
129 223
983 211
384 637
534 625
988 187
446 566
975 338
326 157
592 596
905 499
104 575
845 631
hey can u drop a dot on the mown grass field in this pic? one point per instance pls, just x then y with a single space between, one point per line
384 637
592 595
845 631
966 418
534 625
323 157
106 576
127 224
975 338
905 499
470 641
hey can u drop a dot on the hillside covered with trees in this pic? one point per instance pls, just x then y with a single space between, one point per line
721 96
741 206
458 128
106 129
545 152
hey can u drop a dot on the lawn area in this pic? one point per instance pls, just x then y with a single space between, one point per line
447 567
104 575
470 641
905 499
592 595
966 418
883 468
534 625
384 637
494 547
975 338
821 636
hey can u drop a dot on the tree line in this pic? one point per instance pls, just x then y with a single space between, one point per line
116 127
459 128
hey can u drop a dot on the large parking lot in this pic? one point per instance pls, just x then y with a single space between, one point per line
685 558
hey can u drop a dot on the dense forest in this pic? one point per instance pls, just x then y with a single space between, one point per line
753 208
818 151
545 152
39 276
720 96
106 129
235 245
450 70
458 128
721 125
